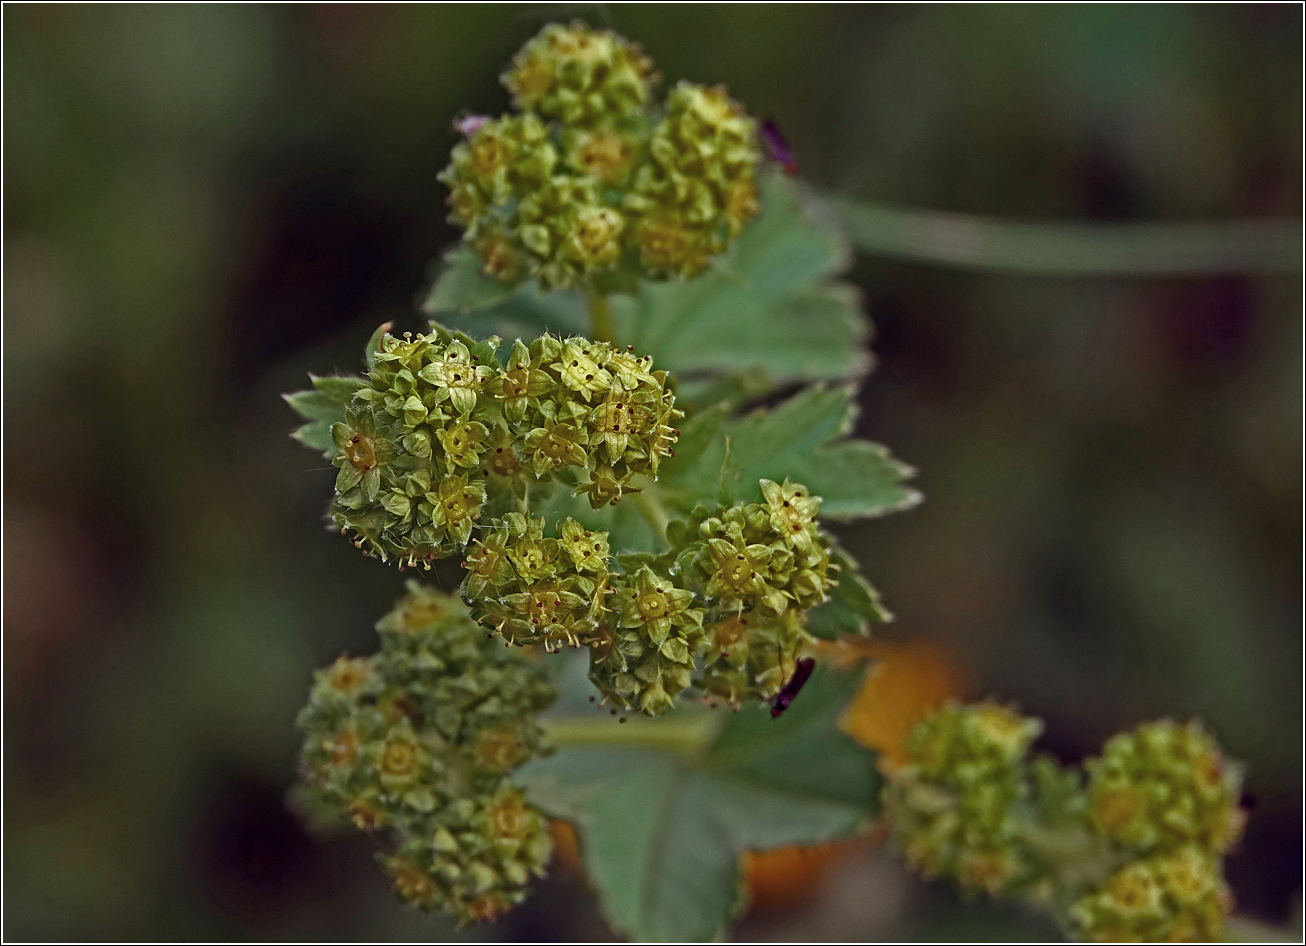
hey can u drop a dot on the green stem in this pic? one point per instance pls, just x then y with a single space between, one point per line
685 735
1080 858
601 329
1082 250
654 513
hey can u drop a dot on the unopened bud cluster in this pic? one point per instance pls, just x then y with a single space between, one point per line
438 431
589 175
1134 855
416 743
722 609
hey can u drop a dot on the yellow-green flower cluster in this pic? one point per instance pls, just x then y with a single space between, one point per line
601 411
1163 792
696 190
536 590
418 740
1164 785
1179 897
579 76
645 658
1135 857
438 430
722 609
759 567
589 177
952 807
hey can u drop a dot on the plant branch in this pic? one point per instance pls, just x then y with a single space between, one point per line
601 328
687 735
654 513
968 241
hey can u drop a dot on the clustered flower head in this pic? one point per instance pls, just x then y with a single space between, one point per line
416 743
760 567
952 807
590 175
1166 791
537 590
721 610
1167 898
438 431
1133 856
1164 785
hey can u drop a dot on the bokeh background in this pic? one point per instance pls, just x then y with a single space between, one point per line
203 203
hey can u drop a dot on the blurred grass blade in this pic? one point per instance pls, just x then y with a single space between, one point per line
1071 249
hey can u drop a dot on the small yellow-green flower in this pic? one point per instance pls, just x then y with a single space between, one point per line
793 511
488 566
363 454
588 550
454 506
457 377
605 486
521 383
463 441
556 447
657 605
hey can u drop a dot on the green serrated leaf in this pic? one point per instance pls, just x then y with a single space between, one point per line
315 405
803 751
853 602
800 439
339 390
856 479
462 287
769 308
317 436
661 832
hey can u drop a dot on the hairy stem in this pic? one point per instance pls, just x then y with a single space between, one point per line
685 735
601 329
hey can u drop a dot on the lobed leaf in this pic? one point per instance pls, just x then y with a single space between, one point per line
853 602
478 304
802 439
770 309
661 832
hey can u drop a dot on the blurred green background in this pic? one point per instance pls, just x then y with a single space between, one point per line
203 203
